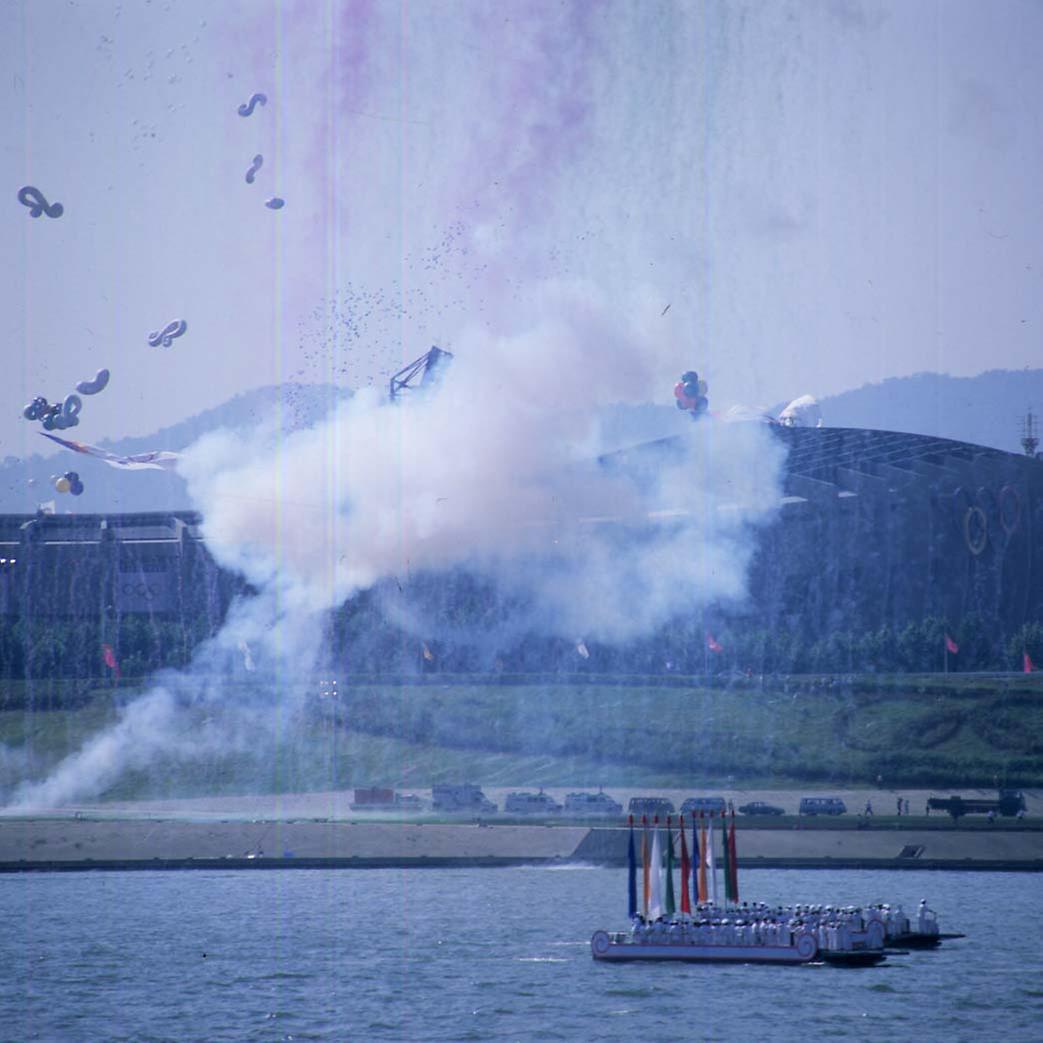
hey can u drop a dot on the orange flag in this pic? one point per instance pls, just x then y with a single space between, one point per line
703 853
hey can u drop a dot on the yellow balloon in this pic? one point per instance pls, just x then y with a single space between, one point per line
62 485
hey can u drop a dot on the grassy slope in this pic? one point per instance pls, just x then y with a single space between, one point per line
931 731
911 731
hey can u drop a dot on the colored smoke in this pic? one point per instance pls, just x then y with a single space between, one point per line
527 150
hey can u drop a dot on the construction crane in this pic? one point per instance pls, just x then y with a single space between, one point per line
419 372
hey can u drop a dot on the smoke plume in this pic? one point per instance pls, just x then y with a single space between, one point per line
494 469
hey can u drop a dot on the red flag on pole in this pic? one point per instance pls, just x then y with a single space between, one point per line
110 659
950 645
711 643
1026 663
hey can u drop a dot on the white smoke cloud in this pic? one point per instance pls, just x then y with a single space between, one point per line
204 713
491 471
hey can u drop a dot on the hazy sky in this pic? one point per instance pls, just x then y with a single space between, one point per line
824 193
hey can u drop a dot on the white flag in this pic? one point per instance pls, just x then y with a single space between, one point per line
655 889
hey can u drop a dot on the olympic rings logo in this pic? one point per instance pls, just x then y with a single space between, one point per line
137 590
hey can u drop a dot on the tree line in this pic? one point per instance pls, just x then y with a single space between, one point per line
364 642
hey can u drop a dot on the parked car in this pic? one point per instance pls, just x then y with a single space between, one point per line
759 807
650 806
706 805
531 804
380 799
822 806
465 799
590 804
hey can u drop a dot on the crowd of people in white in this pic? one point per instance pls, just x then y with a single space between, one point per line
837 928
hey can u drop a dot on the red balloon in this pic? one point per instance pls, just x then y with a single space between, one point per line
684 400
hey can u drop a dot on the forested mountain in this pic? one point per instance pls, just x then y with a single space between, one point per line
988 410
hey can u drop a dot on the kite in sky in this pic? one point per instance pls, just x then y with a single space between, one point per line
157 459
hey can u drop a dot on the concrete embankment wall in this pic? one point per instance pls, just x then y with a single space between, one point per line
143 844
857 848
78 844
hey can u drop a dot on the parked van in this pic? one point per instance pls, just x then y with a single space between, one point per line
531 804
461 799
650 806
822 806
590 804
704 805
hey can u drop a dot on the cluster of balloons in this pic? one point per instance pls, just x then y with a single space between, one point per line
690 393
254 167
246 109
92 387
56 416
68 483
166 335
59 416
32 197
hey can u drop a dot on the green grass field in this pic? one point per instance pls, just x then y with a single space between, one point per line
924 731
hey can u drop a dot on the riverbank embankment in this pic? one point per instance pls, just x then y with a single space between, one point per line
59 844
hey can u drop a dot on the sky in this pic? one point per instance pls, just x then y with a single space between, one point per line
792 197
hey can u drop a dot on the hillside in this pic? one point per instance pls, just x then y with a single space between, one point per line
26 482
987 409
911 731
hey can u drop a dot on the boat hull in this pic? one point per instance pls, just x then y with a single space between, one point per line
917 940
853 958
603 948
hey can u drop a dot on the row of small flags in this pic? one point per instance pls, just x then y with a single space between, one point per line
698 871
1027 666
714 645
950 646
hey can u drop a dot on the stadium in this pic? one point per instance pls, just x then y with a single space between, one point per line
876 529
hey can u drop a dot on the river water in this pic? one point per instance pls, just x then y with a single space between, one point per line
488 954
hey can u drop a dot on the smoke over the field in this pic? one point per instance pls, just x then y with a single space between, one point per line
494 470
505 199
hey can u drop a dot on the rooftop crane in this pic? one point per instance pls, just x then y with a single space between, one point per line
419 372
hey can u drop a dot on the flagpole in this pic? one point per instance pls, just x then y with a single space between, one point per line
655 900
631 875
726 869
733 859
644 868
695 863
713 864
686 872
669 898
700 885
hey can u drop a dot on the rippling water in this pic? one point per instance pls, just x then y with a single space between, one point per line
480 955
